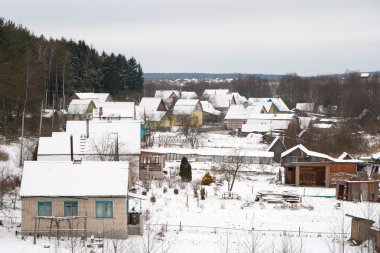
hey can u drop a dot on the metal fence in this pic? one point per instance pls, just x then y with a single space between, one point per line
263 232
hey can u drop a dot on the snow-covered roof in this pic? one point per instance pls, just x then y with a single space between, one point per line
243 112
128 131
274 142
140 112
266 122
68 179
209 92
306 107
221 100
239 98
306 151
207 107
376 156
155 115
115 109
304 122
323 125
185 106
97 97
271 116
165 94
151 104
79 106
345 156
96 144
267 105
48 113
364 75
187 95
278 102
320 155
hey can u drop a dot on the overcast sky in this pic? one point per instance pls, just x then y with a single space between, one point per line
219 36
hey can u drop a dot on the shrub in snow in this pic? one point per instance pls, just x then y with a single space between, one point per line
203 193
153 199
176 191
185 170
207 179
165 189
144 193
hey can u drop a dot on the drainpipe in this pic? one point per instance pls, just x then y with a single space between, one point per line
71 148
87 127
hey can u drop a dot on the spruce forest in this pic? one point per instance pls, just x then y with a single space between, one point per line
36 69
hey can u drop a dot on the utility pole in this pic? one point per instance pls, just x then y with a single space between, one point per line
52 117
40 130
22 139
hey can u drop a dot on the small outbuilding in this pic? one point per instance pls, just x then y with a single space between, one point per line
152 165
358 190
360 230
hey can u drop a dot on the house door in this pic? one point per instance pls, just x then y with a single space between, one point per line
320 177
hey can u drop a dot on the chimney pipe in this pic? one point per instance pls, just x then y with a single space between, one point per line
87 127
71 147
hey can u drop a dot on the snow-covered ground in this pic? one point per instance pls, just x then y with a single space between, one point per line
215 224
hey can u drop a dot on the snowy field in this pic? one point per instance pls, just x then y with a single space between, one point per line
182 223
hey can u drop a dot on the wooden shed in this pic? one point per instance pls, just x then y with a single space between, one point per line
376 235
358 190
360 230
152 165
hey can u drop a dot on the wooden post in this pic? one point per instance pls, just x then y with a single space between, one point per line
35 231
327 176
298 170
85 227
51 225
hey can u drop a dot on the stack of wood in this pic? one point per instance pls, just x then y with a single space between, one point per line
342 176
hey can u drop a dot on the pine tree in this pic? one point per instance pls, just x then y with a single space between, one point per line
185 170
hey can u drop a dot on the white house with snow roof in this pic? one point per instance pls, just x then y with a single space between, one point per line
222 102
170 97
102 140
279 104
264 123
153 104
237 115
90 196
96 97
155 113
115 110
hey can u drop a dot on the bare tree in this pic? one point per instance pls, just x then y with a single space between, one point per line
231 168
8 184
106 147
289 244
253 243
153 242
